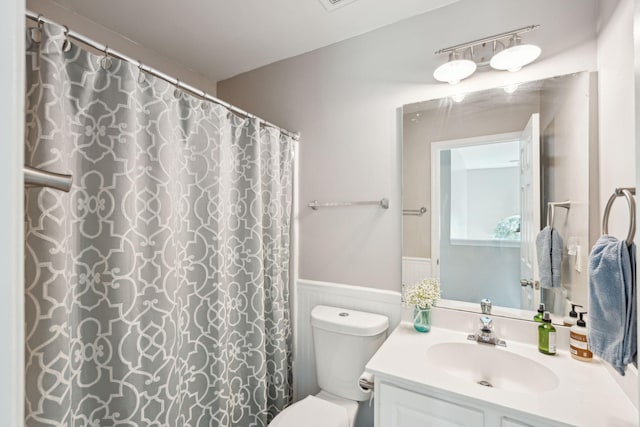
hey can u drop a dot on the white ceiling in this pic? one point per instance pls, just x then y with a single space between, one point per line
235 36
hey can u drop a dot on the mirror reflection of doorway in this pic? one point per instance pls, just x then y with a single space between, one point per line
481 201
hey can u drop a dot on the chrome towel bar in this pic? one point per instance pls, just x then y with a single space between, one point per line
38 178
417 212
315 205
551 210
627 193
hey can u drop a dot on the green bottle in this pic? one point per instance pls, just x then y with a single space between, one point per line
538 317
547 336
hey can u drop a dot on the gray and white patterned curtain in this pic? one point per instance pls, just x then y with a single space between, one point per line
157 289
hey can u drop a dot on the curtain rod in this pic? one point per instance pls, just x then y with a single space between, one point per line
157 73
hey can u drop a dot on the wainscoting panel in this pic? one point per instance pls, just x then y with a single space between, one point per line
311 293
415 269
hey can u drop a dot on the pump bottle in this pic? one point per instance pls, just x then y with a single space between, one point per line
538 317
579 347
547 336
572 318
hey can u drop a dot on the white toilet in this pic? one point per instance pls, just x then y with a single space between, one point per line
344 342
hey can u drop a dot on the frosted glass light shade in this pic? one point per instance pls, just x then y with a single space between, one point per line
515 57
454 71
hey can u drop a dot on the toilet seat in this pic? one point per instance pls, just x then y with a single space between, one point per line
312 412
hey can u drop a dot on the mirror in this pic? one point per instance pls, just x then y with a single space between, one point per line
479 174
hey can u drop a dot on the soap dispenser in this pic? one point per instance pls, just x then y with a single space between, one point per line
579 347
572 318
547 336
538 317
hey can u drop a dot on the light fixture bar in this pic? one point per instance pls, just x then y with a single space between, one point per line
487 39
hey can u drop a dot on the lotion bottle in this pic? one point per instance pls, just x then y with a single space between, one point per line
572 318
547 336
579 347
538 317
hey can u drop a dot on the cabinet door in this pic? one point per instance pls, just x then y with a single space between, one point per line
402 408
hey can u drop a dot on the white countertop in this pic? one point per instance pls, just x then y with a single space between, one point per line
586 395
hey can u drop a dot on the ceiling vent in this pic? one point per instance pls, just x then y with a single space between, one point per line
332 5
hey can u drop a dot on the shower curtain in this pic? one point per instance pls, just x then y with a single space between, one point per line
157 289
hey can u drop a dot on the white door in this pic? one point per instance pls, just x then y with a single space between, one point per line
529 210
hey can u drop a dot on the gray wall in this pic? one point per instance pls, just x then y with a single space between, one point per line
616 109
344 100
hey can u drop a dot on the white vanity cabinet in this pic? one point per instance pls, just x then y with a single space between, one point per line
439 379
402 408
398 407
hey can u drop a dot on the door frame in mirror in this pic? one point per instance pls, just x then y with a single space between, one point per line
436 148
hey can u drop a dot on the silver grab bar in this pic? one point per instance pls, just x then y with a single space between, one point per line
38 178
416 212
628 193
315 205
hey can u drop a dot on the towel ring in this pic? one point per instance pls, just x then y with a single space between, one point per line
628 194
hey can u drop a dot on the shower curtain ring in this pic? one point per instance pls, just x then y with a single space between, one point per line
66 45
140 72
106 61
177 91
35 33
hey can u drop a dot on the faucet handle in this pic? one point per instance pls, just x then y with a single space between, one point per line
487 323
485 305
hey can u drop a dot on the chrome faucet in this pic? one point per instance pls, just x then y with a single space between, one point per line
485 306
486 335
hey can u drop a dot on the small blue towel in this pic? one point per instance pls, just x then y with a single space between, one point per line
612 302
549 249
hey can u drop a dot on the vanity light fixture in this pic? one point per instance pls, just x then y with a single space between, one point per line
515 56
455 69
512 57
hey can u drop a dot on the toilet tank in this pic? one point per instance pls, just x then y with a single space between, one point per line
344 341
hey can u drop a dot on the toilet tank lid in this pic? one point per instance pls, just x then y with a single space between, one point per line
346 321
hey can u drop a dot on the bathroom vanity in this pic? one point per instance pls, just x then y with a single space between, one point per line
443 379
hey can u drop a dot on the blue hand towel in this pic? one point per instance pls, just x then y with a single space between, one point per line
612 302
549 250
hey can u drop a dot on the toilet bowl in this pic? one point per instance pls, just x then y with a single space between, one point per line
321 410
344 341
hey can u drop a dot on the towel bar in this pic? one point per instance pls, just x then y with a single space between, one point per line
628 193
551 210
418 212
383 203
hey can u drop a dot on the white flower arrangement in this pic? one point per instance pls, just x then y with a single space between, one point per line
423 294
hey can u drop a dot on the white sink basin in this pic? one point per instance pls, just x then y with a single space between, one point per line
491 366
